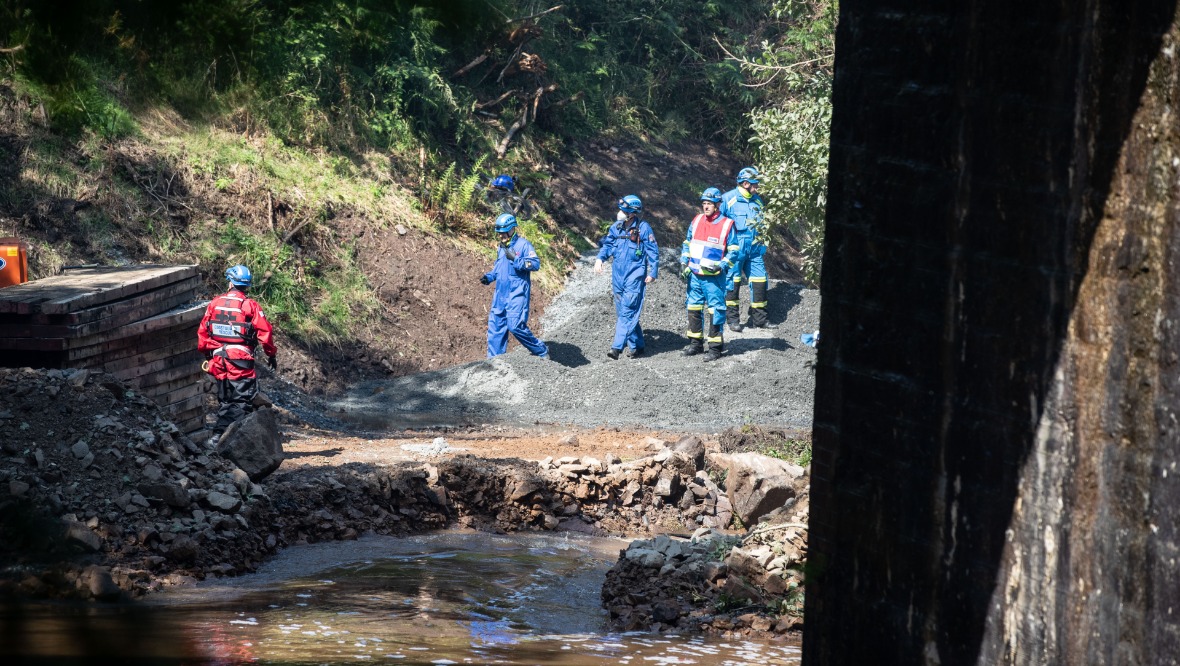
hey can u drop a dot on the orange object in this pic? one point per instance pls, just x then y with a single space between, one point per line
14 262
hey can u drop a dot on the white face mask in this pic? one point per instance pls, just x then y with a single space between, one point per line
620 216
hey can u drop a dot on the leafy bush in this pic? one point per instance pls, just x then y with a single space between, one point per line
790 134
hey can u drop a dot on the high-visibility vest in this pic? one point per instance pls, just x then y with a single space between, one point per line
229 324
706 245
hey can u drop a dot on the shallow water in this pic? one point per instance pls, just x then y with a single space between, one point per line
445 598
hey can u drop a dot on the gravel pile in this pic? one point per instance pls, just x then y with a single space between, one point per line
766 377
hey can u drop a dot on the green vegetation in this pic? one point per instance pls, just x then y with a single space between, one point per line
794 451
790 134
394 111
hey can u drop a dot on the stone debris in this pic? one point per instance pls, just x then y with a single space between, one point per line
151 509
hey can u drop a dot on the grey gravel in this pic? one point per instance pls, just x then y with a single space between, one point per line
766 377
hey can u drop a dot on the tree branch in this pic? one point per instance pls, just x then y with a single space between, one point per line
469 66
759 66
494 102
13 49
537 15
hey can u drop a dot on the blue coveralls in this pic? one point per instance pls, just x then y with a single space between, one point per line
708 290
510 305
745 209
633 262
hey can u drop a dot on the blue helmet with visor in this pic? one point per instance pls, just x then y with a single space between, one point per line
239 276
505 222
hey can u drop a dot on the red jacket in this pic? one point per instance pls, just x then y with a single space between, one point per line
232 325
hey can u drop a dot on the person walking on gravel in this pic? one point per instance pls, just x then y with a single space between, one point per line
232 326
515 262
631 244
710 249
743 205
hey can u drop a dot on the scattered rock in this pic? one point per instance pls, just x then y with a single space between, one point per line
223 502
757 484
83 536
253 444
169 493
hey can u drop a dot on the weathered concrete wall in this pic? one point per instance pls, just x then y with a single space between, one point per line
996 435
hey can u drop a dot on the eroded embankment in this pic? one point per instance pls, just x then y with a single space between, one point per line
106 500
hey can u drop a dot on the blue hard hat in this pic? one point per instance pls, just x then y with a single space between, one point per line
630 204
506 222
239 276
504 182
711 194
748 175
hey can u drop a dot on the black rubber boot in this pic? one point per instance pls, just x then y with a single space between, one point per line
696 335
715 342
613 354
758 317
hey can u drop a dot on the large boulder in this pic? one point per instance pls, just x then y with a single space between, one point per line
756 484
254 444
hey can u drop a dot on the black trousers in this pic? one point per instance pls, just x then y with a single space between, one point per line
236 398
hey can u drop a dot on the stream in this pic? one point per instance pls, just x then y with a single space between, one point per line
455 597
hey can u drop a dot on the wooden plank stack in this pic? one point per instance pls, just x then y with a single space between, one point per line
139 323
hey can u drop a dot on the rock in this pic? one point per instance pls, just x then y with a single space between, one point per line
524 488
646 557
98 583
223 502
756 484
183 549
78 379
253 444
550 522
665 611
654 444
262 400
694 448
80 449
568 440
152 473
17 488
82 535
668 485
169 493
241 481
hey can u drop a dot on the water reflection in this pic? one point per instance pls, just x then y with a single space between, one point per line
445 598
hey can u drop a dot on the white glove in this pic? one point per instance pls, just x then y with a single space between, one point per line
597 265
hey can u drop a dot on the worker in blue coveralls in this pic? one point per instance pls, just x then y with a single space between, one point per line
631 243
743 205
710 249
515 262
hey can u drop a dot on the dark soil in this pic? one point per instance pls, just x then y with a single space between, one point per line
592 177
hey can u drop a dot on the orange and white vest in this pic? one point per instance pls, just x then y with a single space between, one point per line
706 244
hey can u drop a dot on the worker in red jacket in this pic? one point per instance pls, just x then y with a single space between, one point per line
232 326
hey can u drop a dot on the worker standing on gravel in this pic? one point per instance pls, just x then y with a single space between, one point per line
515 262
631 243
710 249
232 326
743 205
